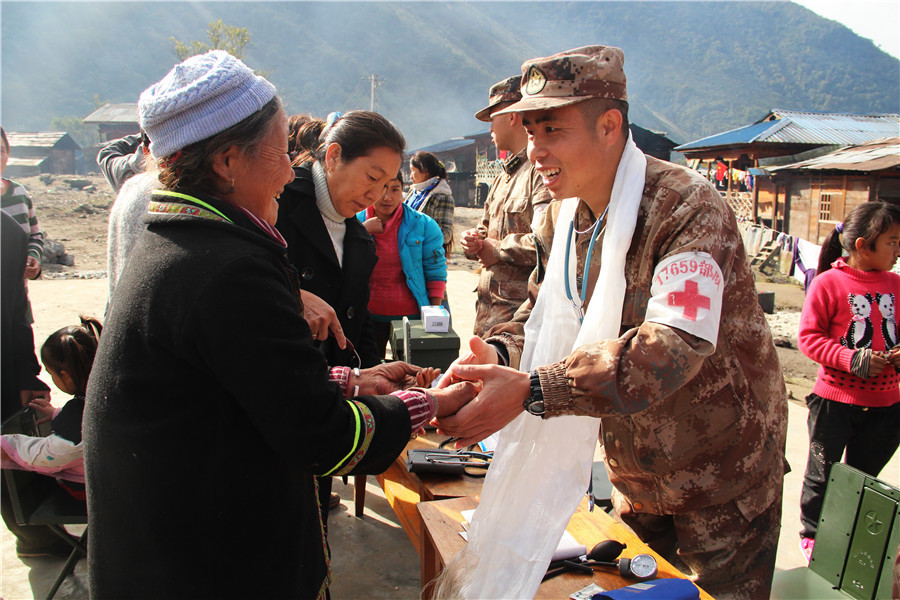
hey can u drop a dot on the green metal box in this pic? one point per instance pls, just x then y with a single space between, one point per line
858 534
873 525
856 544
425 349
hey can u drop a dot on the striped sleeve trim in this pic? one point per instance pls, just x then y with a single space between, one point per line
340 376
364 431
420 404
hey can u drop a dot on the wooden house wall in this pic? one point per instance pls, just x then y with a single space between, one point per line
463 188
888 189
765 197
16 171
113 131
806 202
485 147
61 161
29 151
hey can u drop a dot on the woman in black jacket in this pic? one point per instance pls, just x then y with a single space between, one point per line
332 251
209 410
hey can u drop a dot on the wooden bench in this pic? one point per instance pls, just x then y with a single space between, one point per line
404 490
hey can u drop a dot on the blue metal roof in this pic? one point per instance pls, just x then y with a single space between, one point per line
446 145
797 127
741 135
480 133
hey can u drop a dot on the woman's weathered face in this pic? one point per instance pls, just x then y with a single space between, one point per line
391 199
259 180
417 175
359 183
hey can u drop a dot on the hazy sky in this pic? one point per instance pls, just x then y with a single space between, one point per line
877 20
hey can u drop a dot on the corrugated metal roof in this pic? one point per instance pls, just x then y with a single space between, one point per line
876 155
25 162
797 127
114 113
451 144
34 140
478 133
742 135
832 128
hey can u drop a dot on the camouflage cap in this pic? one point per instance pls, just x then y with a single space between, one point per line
571 76
502 91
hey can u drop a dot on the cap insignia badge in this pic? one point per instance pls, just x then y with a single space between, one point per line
536 80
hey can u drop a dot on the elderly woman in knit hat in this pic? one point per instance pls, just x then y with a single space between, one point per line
209 410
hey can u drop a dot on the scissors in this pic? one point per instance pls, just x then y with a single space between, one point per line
467 458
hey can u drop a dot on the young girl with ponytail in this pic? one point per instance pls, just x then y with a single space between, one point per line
848 326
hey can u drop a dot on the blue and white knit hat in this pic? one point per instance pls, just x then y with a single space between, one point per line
204 95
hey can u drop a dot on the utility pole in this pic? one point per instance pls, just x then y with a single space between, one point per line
374 83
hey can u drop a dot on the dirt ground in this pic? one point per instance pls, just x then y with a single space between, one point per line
76 215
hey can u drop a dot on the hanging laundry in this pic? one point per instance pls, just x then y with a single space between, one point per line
806 261
721 170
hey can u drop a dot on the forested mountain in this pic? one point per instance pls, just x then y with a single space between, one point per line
694 68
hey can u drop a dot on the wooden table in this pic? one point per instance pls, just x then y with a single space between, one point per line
404 490
441 524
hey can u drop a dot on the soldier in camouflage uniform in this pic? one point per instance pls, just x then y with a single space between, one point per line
503 242
690 395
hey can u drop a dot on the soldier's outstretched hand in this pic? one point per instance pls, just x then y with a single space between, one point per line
499 402
480 353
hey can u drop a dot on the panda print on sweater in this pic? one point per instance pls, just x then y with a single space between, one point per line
860 331
888 323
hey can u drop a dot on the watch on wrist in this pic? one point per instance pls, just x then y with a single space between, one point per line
534 404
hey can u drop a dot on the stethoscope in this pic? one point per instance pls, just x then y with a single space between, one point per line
597 226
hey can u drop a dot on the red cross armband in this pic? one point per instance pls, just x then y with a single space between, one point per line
686 293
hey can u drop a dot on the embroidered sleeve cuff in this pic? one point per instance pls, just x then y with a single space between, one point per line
421 404
340 376
556 390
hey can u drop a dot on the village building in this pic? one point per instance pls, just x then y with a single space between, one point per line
48 152
464 158
741 163
818 192
115 121
792 176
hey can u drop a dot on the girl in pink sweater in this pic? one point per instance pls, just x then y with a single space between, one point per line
848 326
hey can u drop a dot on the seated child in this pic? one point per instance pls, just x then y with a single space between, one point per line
68 355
